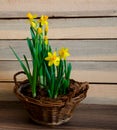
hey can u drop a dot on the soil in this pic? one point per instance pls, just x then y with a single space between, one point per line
75 89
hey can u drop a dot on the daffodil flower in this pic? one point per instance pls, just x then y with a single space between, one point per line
31 17
52 59
43 20
46 29
39 30
63 53
32 21
46 39
33 24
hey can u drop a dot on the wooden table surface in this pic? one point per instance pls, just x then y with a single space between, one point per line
86 117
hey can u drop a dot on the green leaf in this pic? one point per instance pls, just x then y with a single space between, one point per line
69 68
31 47
22 65
58 86
52 80
47 73
27 63
32 35
50 94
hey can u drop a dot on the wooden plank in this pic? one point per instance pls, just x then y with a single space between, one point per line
85 117
21 24
89 71
16 8
83 50
101 94
6 92
97 94
67 33
63 29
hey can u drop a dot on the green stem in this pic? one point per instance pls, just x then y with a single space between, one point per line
65 67
53 81
34 81
41 76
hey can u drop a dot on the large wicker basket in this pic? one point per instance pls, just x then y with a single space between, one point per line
51 111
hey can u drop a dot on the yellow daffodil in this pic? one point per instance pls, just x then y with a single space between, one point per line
43 20
52 59
32 21
33 24
46 29
45 17
63 53
46 39
39 30
31 17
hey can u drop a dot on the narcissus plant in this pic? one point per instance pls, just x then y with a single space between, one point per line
50 69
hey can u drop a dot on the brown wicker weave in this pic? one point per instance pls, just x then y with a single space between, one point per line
51 111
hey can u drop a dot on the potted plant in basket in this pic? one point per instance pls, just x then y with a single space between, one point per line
48 93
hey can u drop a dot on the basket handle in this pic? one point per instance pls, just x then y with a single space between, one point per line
83 91
15 78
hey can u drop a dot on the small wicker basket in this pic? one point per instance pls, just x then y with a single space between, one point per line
51 111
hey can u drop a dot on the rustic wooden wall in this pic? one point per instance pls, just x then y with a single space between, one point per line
87 27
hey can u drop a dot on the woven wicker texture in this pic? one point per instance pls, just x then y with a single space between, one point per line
52 111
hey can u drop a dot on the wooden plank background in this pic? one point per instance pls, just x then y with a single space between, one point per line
87 27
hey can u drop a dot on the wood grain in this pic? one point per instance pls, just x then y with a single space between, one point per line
67 33
16 8
97 94
6 92
73 28
80 50
86 117
101 94
88 71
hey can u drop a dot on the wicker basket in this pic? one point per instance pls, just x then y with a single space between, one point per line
51 111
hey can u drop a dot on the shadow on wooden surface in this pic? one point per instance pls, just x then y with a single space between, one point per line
86 117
